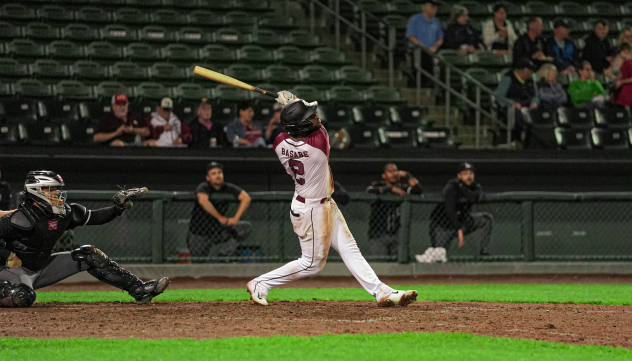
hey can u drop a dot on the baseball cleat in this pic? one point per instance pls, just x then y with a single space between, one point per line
397 298
153 288
256 295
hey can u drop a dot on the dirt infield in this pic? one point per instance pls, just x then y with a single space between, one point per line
580 324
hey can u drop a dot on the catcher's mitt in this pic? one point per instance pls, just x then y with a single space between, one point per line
124 199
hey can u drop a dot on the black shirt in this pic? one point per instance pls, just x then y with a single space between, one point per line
202 223
457 35
458 201
596 51
5 196
524 47
110 123
202 135
385 215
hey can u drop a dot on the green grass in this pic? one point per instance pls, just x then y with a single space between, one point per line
610 294
408 346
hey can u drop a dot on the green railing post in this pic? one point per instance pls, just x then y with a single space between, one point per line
157 231
282 209
404 232
528 240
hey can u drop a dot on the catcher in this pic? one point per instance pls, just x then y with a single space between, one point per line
30 233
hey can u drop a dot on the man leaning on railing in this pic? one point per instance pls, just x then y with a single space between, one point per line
424 30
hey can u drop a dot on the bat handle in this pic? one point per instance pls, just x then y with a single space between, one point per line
269 93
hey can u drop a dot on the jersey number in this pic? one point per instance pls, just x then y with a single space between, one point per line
299 170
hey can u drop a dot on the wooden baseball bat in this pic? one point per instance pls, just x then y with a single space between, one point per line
225 79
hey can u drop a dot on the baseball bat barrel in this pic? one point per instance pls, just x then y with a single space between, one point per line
225 79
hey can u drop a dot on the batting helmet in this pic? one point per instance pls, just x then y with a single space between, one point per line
296 118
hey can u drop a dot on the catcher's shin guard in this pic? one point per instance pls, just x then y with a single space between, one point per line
108 271
19 295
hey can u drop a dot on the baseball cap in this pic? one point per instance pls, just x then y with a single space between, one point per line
212 165
119 98
465 166
562 22
524 63
166 103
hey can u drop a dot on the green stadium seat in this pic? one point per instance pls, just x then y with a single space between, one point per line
613 117
454 57
142 52
572 9
157 34
32 88
231 93
128 72
229 36
397 21
218 54
282 75
180 53
609 138
384 95
53 13
12 69
16 12
80 32
606 10
218 4
104 50
573 139
50 69
151 91
244 73
277 22
254 6
187 4
5 90
309 93
303 39
145 3
9 31
397 137
63 49
255 54
41 31
90 72
404 7
353 75
116 32
193 36
488 59
168 73
475 8
72 89
329 56
190 91
346 94
408 115
484 76
319 76
513 9
132 16
206 18
437 138
269 38
107 89
240 20
292 55
105 2
538 8
24 48
93 15
169 16
375 7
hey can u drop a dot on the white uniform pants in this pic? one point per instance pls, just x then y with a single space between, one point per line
320 226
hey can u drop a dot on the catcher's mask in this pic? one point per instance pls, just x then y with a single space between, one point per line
296 118
45 188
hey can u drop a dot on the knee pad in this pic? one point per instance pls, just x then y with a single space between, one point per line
93 256
19 295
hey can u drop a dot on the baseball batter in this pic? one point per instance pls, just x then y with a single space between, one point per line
303 149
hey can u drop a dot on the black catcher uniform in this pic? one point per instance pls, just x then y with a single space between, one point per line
32 231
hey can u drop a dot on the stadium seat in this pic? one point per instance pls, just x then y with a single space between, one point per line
142 52
9 31
99 3
513 9
107 89
437 137
53 13
21 110
168 73
43 133
218 54
240 20
41 31
189 91
346 94
408 115
329 56
131 16
374 7
50 70
572 9
72 89
373 115
129 72
169 16
610 138
11 69
157 34
276 22
291 55
244 72
303 39
151 91
62 111
613 117
186 4
180 53
575 118
80 32
24 48
10 133
317 75
32 88
282 75
143 107
538 8
573 139
16 12
606 10
145 3
66 50
384 95
232 37
104 50
218 5
353 75
92 112
396 137
541 130
269 38
455 58
186 110
309 93
118 32
404 7
193 35
338 115
230 93
254 6
90 72
255 55
206 18
363 137
93 15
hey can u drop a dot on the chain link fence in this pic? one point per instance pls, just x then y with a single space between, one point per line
163 228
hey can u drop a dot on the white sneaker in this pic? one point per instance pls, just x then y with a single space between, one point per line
257 295
399 298
427 257
439 255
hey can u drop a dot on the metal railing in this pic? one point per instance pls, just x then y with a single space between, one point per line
526 226
451 70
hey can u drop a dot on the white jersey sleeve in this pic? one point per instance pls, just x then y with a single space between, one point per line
307 161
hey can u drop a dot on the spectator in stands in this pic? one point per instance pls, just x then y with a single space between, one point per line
204 131
274 125
551 93
518 87
625 54
586 92
120 127
453 217
598 50
460 34
530 45
242 132
384 219
625 36
209 223
498 33
5 194
624 82
166 127
561 49
424 30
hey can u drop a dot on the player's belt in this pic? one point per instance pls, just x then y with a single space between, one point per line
302 200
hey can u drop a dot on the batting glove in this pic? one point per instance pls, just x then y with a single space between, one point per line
124 198
285 97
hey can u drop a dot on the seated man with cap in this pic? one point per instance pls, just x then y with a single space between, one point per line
517 86
120 127
563 51
166 128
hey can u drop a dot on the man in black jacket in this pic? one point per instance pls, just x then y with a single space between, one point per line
598 50
530 45
453 217
30 233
